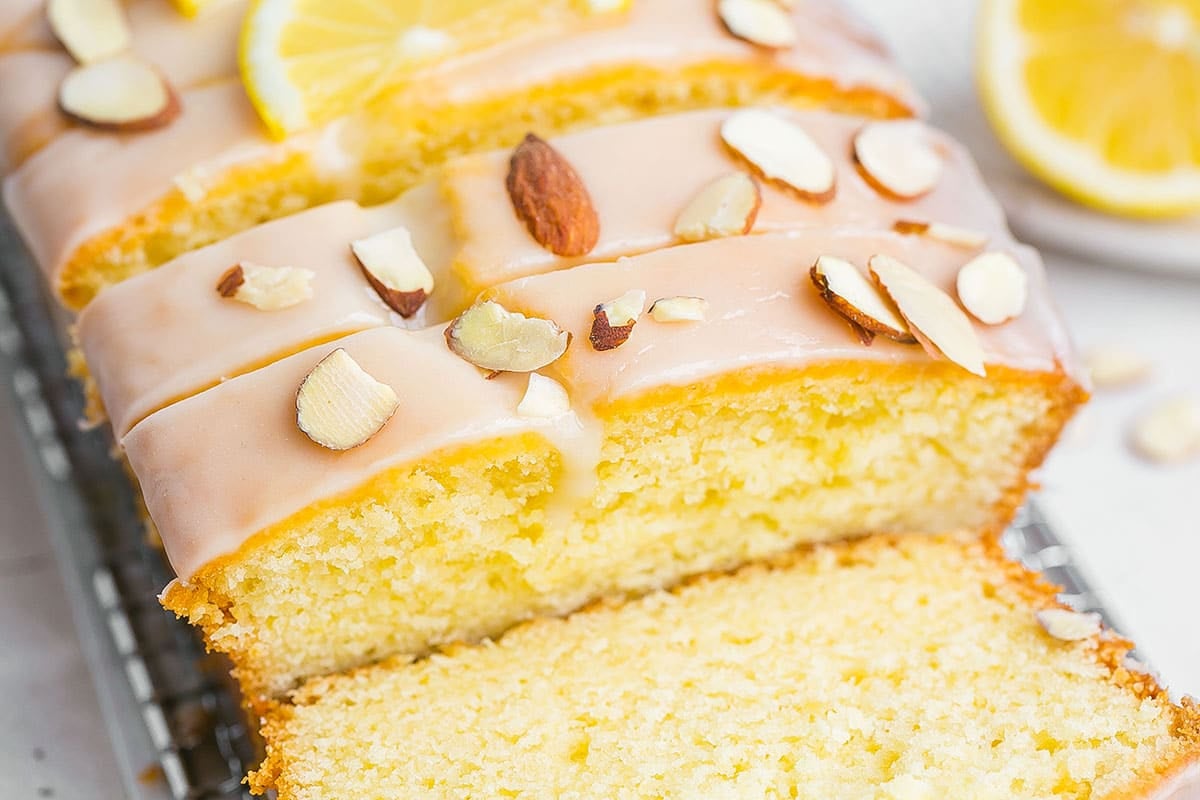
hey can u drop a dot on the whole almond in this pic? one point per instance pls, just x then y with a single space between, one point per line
551 199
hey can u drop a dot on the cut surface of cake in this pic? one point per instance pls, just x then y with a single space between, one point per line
166 334
95 207
690 446
887 668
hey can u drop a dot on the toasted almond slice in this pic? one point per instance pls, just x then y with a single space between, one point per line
544 398
1170 432
897 158
726 207
1114 366
679 309
551 199
493 338
266 288
395 270
933 317
761 22
849 293
782 152
1067 625
340 405
122 93
950 234
993 288
90 29
612 322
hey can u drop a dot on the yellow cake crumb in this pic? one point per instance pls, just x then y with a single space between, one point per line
908 667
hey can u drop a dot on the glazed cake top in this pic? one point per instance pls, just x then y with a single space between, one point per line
86 182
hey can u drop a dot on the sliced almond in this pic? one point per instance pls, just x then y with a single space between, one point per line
122 93
761 22
932 316
89 29
726 207
551 199
849 293
340 405
544 398
1170 432
1067 625
782 152
493 338
395 270
679 309
950 234
993 287
612 322
1114 366
266 288
896 158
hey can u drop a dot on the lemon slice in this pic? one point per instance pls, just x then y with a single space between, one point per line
1099 98
305 62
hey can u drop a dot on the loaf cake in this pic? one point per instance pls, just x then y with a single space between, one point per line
888 668
688 447
167 334
96 208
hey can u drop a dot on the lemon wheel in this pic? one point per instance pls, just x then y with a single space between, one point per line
305 62
1099 98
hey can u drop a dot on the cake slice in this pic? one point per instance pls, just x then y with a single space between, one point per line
689 446
188 52
96 207
888 668
167 334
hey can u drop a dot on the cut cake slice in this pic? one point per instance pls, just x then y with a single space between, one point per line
892 668
164 335
692 446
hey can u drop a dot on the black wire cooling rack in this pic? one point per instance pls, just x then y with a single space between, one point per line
172 711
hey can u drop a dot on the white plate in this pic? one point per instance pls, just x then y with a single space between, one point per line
1042 217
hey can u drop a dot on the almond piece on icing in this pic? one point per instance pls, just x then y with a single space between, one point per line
850 294
544 398
783 152
1170 432
679 309
266 288
551 199
612 322
950 234
933 317
726 207
761 22
1067 625
896 158
122 93
395 270
993 288
90 29
340 405
493 338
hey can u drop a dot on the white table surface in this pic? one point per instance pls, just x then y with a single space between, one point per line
1134 527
